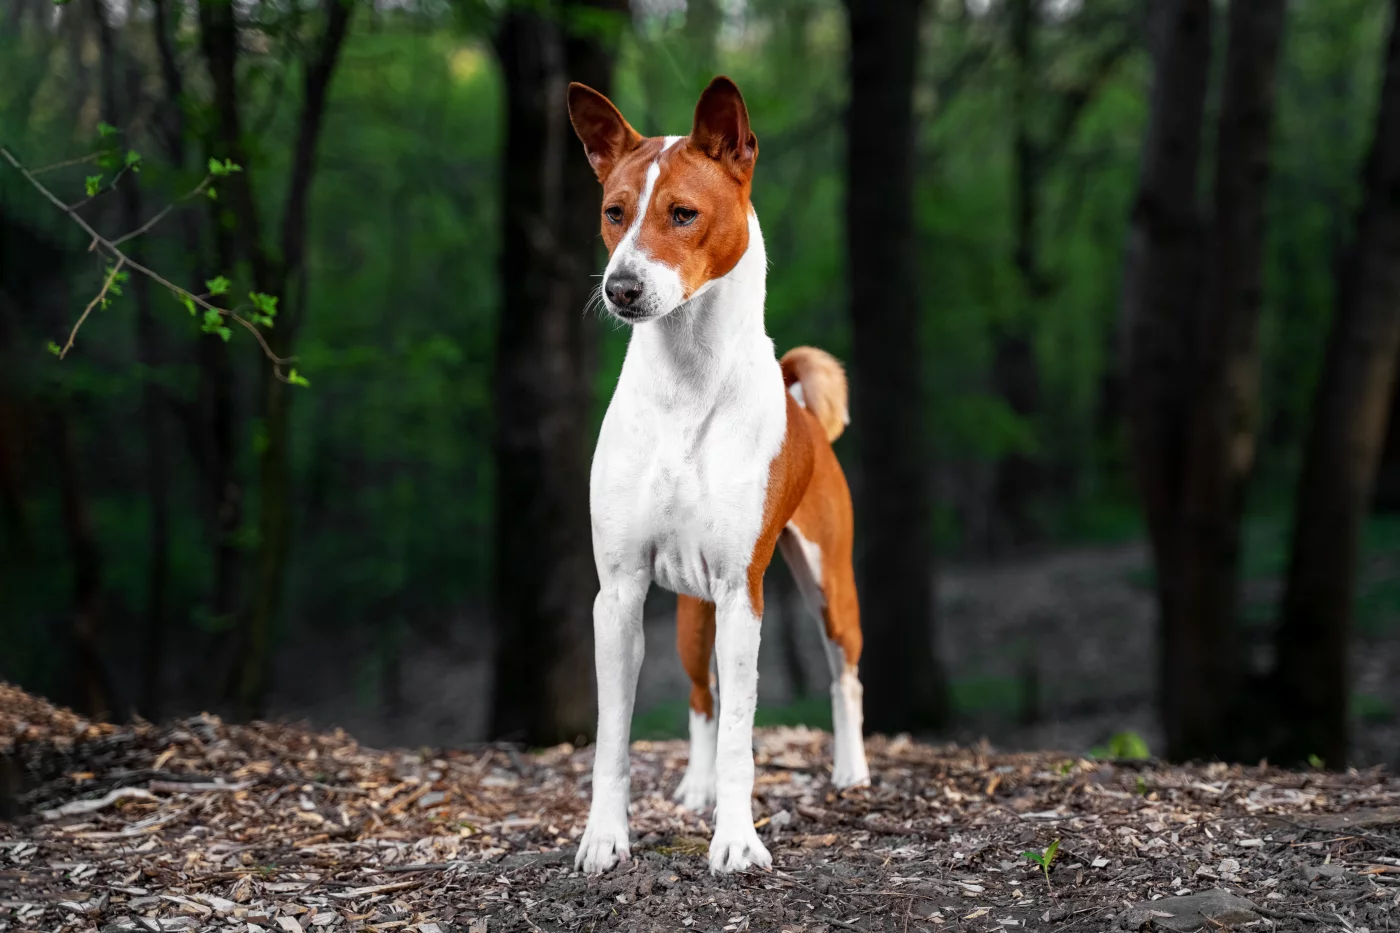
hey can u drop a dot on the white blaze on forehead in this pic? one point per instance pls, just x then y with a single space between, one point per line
629 241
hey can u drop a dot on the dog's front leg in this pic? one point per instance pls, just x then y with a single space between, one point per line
736 845
618 648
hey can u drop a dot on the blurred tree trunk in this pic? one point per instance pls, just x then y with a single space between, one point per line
152 421
276 266
905 687
1044 122
1194 368
1020 474
212 420
1161 281
545 581
1350 410
1206 657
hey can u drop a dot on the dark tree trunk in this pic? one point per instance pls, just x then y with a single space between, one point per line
905 688
1193 382
545 580
152 420
212 422
1161 282
1203 718
157 469
1349 417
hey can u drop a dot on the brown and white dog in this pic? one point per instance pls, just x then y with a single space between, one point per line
712 453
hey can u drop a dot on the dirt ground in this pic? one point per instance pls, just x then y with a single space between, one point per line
199 825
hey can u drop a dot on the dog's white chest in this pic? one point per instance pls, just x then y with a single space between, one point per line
678 491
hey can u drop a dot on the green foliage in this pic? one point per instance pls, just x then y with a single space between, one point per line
217 285
92 184
264 309
1123 746
1044 859
224 168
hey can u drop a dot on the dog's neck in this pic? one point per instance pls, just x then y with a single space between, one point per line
695 348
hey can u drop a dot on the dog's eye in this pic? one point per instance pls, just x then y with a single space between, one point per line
614 214
683 216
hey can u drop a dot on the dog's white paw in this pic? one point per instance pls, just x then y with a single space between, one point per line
603 845
736 848
696 791
846 775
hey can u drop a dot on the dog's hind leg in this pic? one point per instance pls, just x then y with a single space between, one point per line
695 640
826 581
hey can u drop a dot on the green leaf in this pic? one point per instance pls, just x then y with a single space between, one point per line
92 185
221 169
105 129
55 349
267 304
213 194
297 379
1051 852
188 302
224 332
218 285
133 160
1316 762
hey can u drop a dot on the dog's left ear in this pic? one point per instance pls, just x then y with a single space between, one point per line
721 129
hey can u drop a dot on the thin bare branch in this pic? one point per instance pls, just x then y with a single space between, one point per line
146 227
106 286
65 163
111 248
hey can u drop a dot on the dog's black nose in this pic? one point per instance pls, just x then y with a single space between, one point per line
623 290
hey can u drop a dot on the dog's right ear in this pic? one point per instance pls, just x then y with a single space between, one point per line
606 136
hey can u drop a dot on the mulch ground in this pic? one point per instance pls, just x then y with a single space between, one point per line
202 825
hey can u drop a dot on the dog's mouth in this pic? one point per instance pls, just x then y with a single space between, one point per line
631 315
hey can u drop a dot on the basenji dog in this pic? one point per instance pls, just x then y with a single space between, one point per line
712 453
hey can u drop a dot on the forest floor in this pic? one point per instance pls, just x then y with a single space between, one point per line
200 825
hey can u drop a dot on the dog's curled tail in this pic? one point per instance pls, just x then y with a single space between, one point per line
818 382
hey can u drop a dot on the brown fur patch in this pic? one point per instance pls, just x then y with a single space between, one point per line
789 475
695 641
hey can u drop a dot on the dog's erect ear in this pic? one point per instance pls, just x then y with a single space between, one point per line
606 135
721 129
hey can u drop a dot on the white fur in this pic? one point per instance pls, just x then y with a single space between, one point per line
849 767
678 485
697 789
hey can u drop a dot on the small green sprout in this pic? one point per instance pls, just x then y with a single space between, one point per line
92 184
1124 746
1044 859
1316 763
